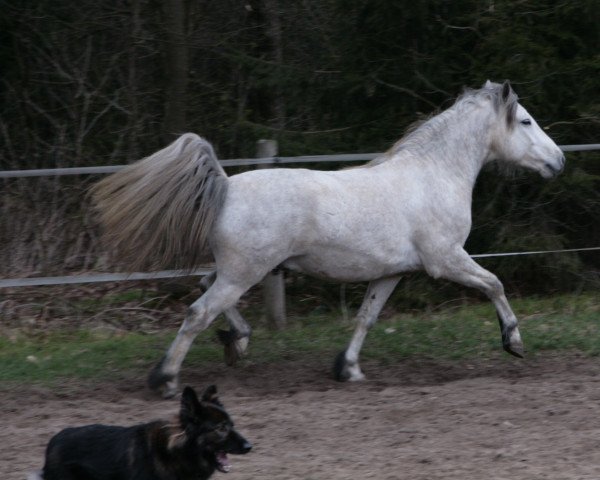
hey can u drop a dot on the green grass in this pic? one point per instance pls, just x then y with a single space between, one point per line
86 354
568 323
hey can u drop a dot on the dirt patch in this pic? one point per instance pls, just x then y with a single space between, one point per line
538 419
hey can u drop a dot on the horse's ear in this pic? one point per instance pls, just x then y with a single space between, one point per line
509 100
488 84
506 91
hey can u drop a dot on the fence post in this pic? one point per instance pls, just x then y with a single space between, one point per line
273 283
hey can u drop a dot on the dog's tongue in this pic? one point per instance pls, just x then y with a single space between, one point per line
223 462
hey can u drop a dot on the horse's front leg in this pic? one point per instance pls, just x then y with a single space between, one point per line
458 266
346 363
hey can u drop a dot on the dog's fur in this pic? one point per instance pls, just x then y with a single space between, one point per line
192 447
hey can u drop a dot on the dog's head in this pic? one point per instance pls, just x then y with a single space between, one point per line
207 429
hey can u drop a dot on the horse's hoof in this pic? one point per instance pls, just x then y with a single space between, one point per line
231 354
345 372
339 367
170 389
234 346
165 384
516 350
512 343
156 377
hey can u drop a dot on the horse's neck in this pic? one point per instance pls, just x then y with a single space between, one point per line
455 142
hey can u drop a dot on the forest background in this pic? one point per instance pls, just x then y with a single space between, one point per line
95 83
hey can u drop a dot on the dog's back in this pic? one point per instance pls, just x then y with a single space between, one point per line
99 451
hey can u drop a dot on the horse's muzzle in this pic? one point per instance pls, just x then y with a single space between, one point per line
556 167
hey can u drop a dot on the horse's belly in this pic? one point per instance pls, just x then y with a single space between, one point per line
345 267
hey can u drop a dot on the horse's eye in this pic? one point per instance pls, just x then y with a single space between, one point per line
527 121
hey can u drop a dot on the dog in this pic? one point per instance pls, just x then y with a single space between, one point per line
191 447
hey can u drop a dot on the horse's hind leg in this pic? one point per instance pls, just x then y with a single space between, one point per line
219 297
235 340
346 363
459 267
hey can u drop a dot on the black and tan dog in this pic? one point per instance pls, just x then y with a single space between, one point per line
192 447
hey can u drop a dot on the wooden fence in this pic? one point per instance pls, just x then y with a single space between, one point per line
266 155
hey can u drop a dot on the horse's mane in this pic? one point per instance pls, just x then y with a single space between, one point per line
502 100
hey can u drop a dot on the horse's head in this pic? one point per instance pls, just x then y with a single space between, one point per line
516 136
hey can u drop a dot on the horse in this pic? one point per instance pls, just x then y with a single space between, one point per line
409 209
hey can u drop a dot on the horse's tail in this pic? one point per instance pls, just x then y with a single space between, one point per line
159 211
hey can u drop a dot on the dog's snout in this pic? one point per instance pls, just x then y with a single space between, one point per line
246 447
237 444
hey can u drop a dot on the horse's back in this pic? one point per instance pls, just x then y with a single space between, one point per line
320 206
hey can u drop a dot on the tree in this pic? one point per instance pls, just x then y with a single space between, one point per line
109 82
177 66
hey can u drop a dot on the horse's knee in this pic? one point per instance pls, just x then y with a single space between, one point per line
494 287
192 314
195 320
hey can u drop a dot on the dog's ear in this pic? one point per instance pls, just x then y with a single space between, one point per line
191 410
210 395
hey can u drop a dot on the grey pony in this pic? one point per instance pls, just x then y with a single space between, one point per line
409 209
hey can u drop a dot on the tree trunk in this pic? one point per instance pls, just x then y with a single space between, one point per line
135 122
177 68
273 15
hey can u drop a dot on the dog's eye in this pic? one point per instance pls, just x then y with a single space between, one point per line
526 121
223 427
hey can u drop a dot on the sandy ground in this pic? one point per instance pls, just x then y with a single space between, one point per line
535 419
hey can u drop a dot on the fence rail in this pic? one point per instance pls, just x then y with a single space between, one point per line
163 274
347 157
275 160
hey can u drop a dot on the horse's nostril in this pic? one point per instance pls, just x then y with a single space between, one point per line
555 168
